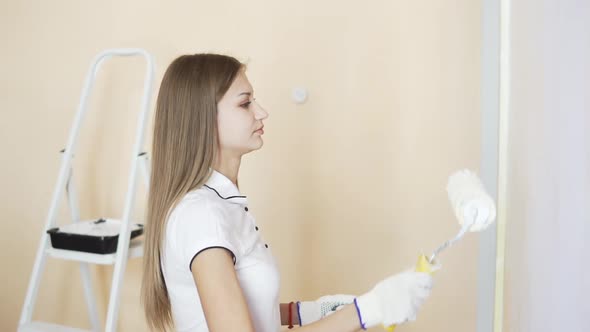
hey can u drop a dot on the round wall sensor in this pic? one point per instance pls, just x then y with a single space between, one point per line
299 95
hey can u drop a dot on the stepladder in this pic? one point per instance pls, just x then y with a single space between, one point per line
78 245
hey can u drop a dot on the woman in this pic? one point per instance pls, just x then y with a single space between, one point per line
206 267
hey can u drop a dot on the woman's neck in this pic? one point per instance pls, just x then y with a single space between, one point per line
229 167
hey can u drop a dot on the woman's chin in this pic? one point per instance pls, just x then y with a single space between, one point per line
256 145
259 145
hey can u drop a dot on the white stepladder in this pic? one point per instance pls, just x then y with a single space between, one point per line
125 248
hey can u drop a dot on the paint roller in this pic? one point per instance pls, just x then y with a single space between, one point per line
474 209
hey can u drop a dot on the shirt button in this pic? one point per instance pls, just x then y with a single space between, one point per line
266 245
246 208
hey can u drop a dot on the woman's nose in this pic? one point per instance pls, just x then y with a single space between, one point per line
259 112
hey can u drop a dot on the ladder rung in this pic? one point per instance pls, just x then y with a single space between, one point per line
47 327
135 250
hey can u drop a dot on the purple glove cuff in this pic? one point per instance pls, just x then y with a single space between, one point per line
358 311
299 313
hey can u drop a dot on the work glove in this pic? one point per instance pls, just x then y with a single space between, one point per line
394 300
311 311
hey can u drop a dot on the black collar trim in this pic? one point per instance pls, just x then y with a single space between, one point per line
226 198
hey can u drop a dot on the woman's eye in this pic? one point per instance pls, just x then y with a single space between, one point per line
246 104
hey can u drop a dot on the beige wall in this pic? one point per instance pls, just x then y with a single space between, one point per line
349 186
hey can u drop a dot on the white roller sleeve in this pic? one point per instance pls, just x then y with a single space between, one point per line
470 201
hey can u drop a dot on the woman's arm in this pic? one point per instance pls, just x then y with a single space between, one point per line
223 302
393 300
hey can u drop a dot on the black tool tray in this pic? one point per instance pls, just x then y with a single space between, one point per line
95 236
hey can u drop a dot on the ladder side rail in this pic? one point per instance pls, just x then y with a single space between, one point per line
125 233
66 160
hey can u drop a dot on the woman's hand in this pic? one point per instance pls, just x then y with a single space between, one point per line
394 300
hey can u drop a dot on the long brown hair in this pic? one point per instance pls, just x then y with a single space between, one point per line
184 147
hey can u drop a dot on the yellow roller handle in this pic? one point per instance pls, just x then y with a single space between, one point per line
422 266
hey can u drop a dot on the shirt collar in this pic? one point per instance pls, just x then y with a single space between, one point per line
224 188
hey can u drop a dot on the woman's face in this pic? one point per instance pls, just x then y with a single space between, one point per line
239 119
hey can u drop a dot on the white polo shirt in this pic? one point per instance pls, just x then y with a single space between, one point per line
216 215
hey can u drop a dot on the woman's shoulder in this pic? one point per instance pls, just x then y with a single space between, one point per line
198 203
199 219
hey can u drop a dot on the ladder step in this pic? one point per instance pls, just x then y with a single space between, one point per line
135 250
47 327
